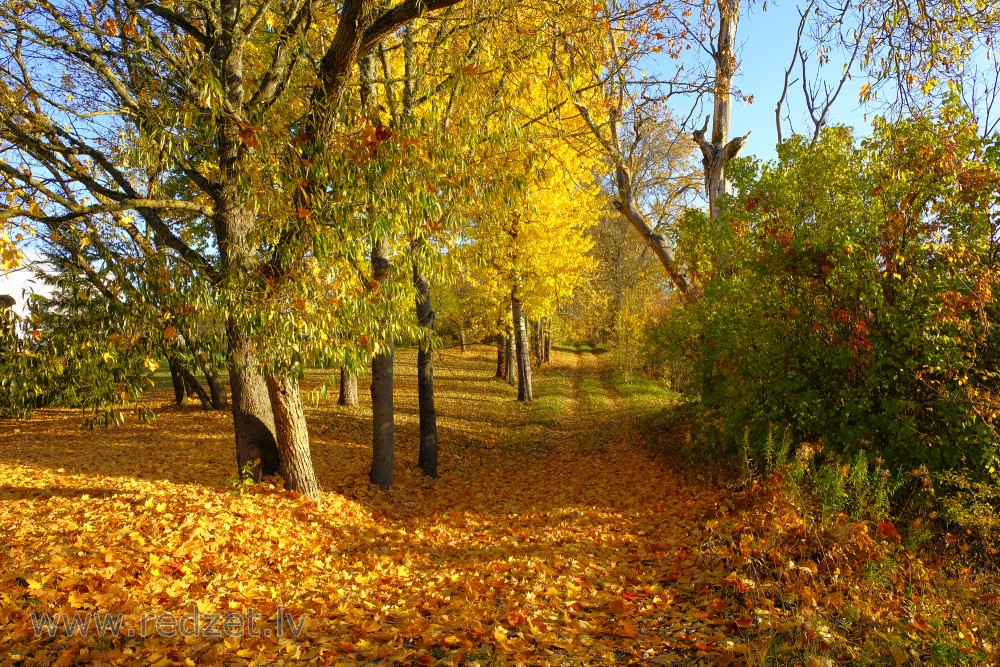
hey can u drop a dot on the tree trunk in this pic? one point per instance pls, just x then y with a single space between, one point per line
717 153
348 389
177 378
383 427
523 354
501 346
292 436
461 338
548 341
194 388
253 420
428 459
216 389
510 364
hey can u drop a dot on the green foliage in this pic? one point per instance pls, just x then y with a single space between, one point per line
77 349
848 294
970 504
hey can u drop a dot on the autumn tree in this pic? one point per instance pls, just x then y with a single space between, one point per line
183 78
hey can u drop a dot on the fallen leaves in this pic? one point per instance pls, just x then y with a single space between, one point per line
534 547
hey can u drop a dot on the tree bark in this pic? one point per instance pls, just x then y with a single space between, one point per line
501 346
428 458
523 352
348 389
548 341
194 388
177 379
383 426
216 388
292 436
253 420
717 153
510 363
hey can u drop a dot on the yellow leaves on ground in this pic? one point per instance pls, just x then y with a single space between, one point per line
550 538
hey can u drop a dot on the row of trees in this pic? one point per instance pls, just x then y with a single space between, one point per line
253 188
261 188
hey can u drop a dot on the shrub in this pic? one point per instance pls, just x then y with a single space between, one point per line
848 294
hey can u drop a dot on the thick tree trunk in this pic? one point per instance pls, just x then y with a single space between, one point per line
348 389
292 436
253 420
523 354
177 378
461 339
510 363
428 458
383 426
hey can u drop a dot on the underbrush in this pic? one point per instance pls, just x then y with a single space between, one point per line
847 559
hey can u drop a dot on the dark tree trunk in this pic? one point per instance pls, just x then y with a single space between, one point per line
292 436
216 389
383 427
194 388
538 343
253 420
548 341
523 353
510 364
428 459
348 389
177 378
461 338
501 348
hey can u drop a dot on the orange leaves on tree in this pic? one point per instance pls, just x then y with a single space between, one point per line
248 135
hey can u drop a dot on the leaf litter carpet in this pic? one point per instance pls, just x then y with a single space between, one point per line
551 537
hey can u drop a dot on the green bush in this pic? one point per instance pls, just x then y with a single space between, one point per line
848 294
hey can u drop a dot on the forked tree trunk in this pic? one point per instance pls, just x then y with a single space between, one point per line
253 420
177 379
292 436
348 389
717 153
523 354
428 458
216 389
194 388
383 427
509 361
